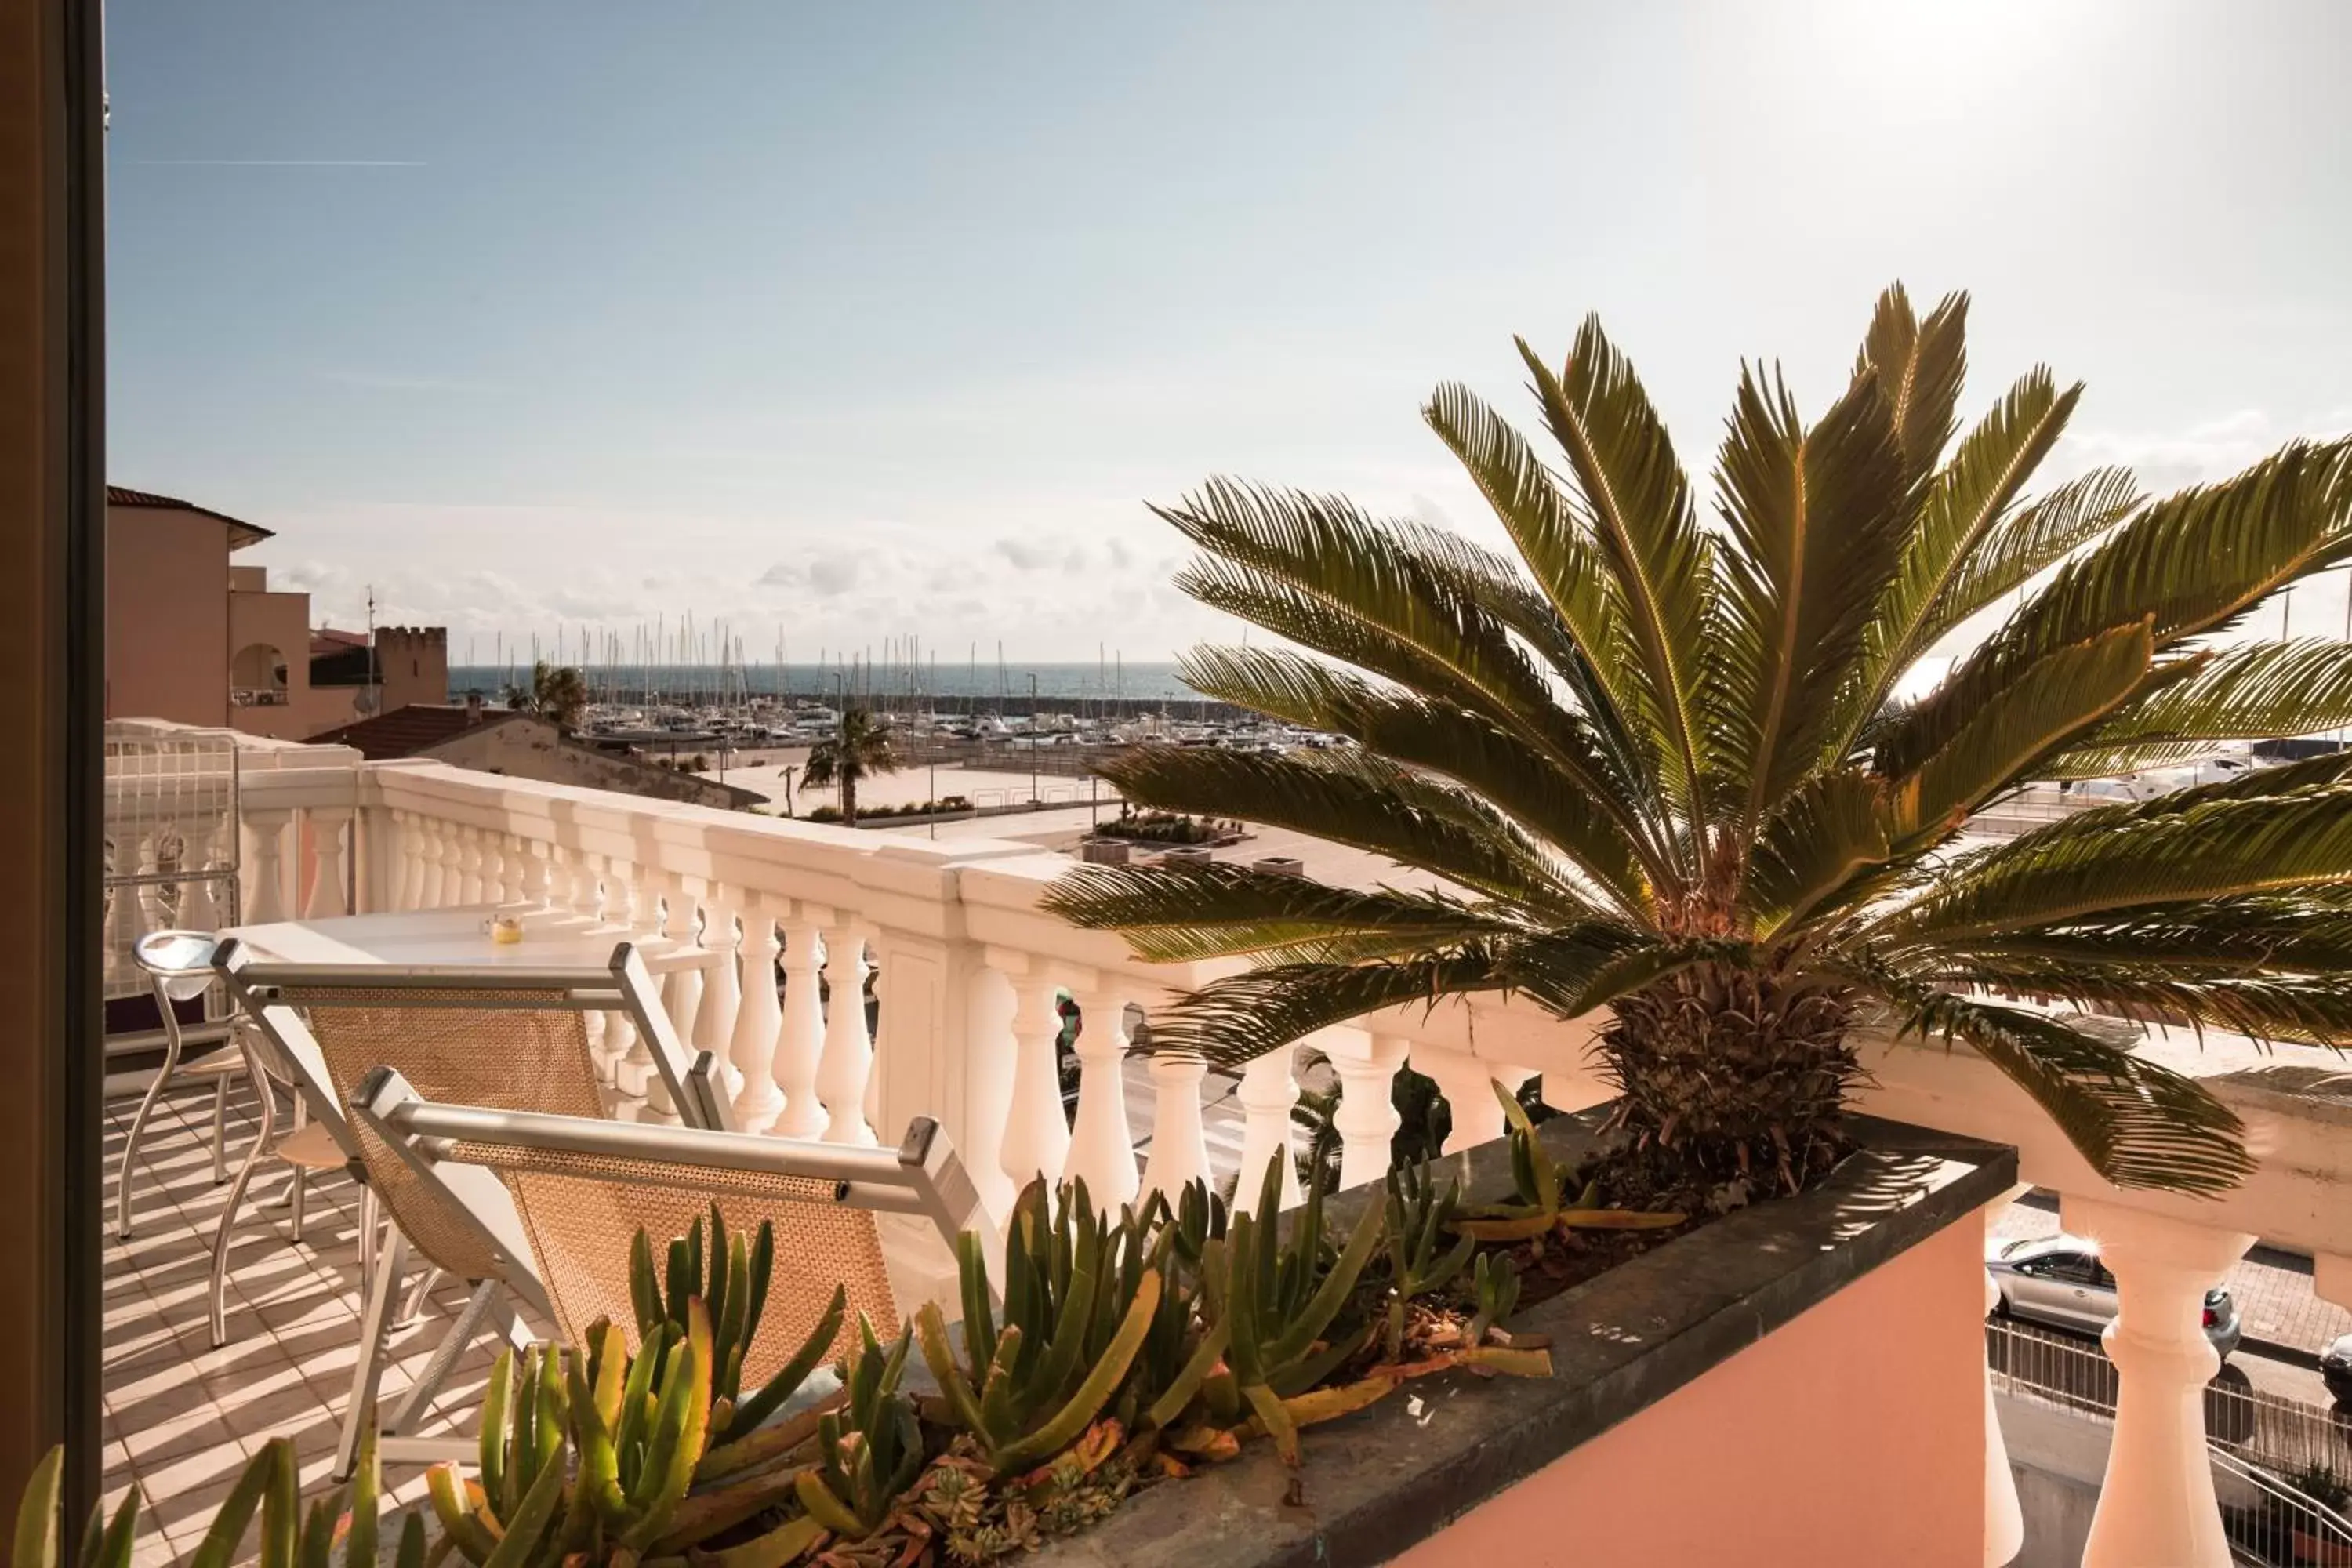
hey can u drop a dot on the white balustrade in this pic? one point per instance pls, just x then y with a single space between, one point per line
470 866
814 898
432 871
848 1055
200 903
266 869
800 1040
1367 1119
1036 1136
2157 1504
1102 1145
1179 1153
758 1020
714 1021
989 1059
1268 1093
634 1073
326 898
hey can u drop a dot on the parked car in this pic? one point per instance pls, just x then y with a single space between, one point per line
2059 1280
2336 1369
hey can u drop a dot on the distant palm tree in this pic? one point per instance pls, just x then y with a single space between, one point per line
1664 764
862 748
556 692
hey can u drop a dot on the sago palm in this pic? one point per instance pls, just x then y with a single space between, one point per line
861 747
1661 763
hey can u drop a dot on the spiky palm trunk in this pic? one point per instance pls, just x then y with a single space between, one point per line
1732 1074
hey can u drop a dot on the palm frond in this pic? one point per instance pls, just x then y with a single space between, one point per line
1920 367
1818 518
1232 1022
1821 838
2139 1124
1218 910
1640 967
2023 544
2196 562
1990 750
1362 801
2095 862
2259 691
2267 1008
1556 543
1577 810
2261 935
1638 505
1968 500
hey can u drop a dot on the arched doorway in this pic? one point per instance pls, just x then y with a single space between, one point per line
257 677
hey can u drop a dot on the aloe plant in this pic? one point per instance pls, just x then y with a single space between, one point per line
1419 1214
290 1538
662 1457
1081 1296
871 1446
1540 1203
731 1277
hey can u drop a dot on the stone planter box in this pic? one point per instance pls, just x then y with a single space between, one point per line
1798 1383
1105 851
1279 865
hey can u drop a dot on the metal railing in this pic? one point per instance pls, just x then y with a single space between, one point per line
2278 1523
2266 1441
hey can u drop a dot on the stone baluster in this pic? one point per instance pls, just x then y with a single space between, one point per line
1268 1093
799 1042
849 1050
327 826
514 856
1367 1119
758 1020
1102 1145
407 862
432 863
600 892
2156 1503
1179 1153
635 1071
990 1058
1036 1135
200 901
266 880
722 998
682 924
539 877
470 866
587 892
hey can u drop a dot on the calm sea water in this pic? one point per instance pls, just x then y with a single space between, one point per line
954 684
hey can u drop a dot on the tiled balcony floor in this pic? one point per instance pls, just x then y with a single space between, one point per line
181 1418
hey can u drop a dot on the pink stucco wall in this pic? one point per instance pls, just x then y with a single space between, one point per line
1853 1436
166 615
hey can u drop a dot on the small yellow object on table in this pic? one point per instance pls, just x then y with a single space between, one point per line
506 929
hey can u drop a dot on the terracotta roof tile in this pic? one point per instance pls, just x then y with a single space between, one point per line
242 532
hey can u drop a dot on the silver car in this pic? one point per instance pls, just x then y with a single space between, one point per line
2059 1280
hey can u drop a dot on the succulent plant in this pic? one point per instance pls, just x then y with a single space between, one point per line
1081 1296
290 1537
1418 1216
1539 1185
731 1278
871 1446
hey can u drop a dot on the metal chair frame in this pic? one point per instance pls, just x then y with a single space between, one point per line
272 995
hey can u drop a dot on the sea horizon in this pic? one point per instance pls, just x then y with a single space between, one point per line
955 686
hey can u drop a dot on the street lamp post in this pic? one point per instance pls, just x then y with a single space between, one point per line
1033 740
790 769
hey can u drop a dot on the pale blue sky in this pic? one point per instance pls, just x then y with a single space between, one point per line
859 319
